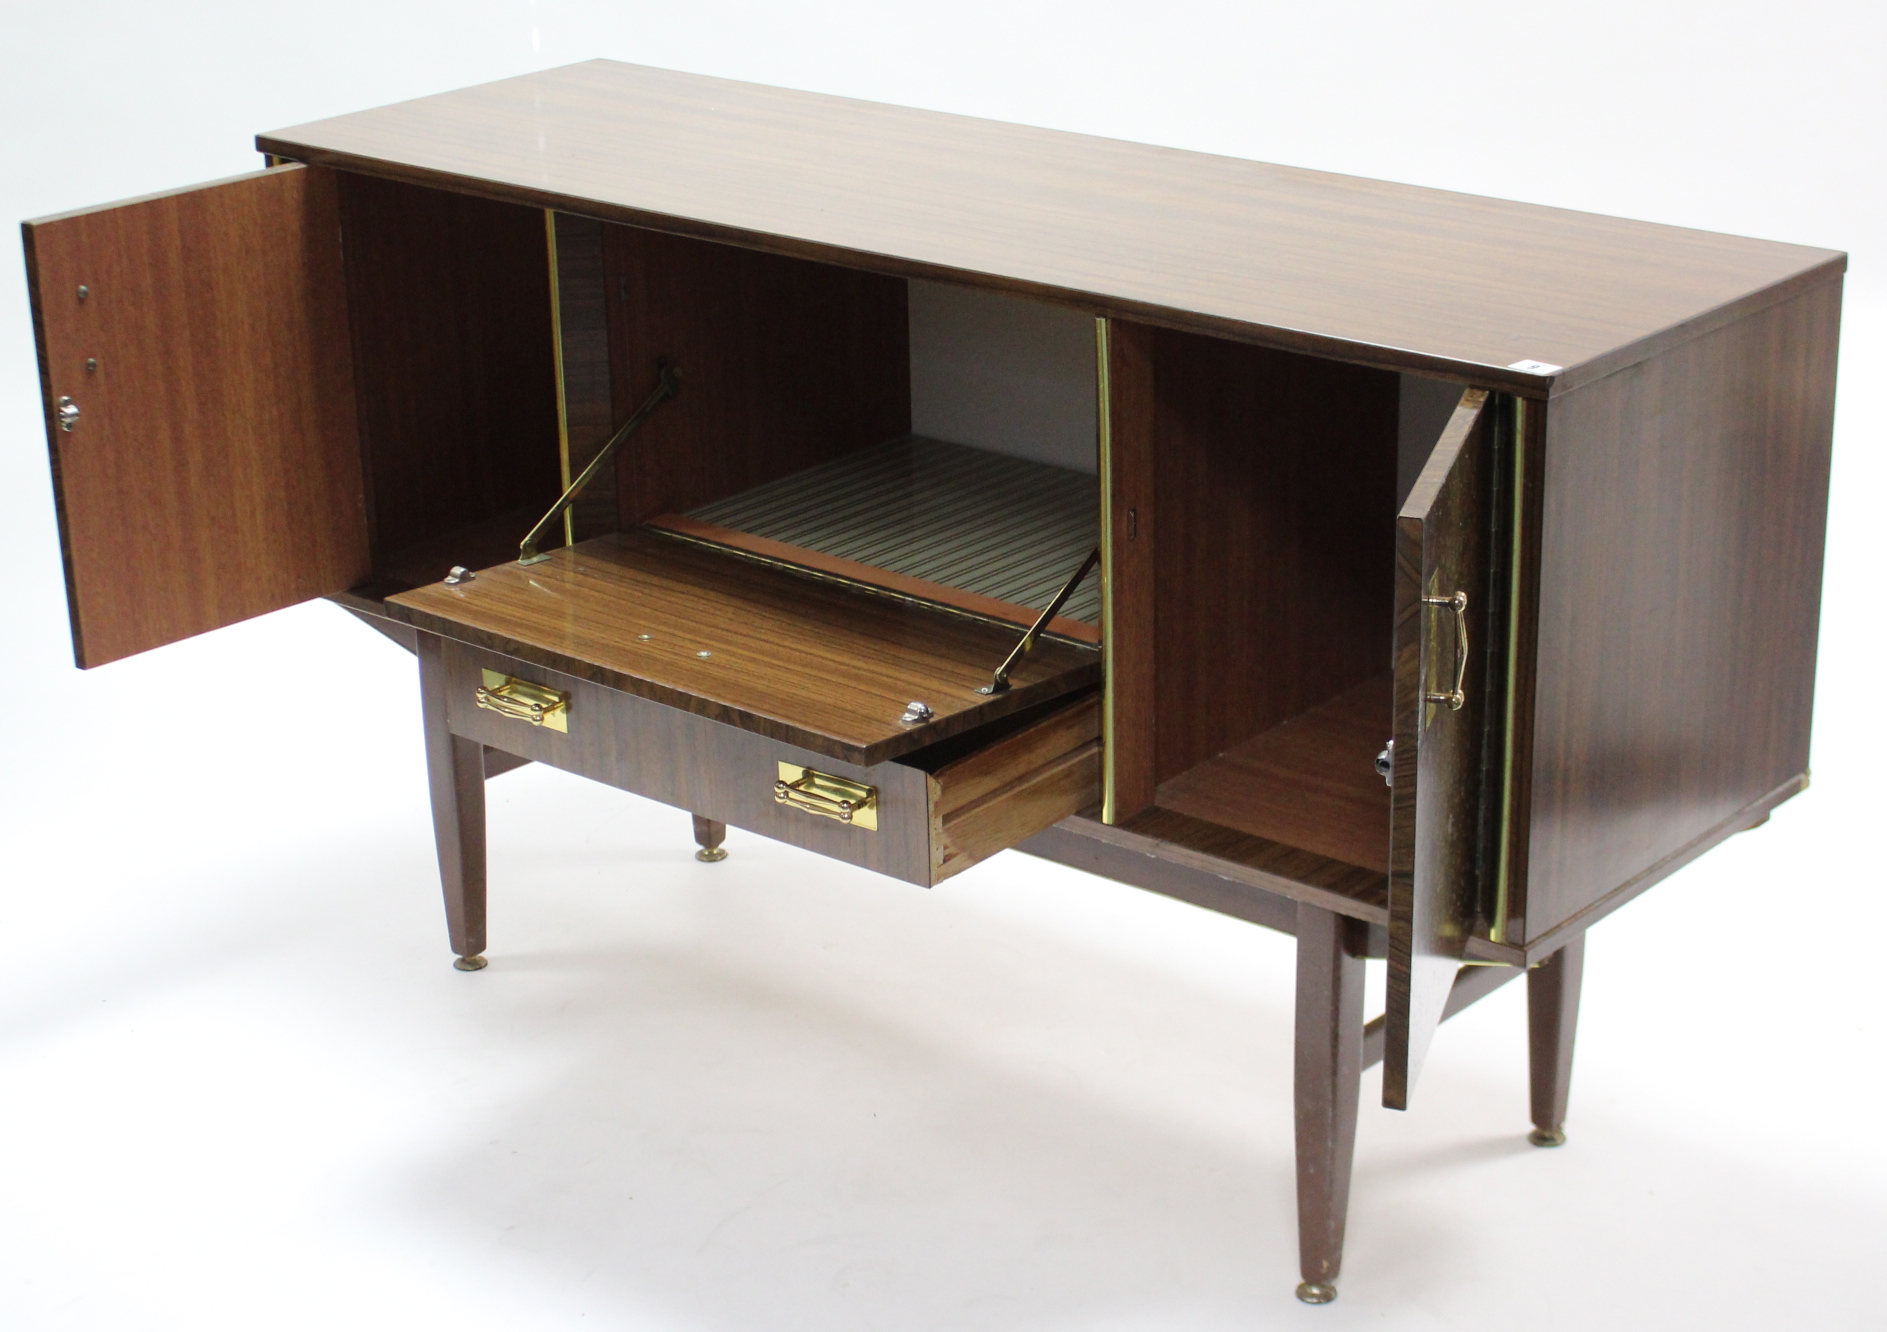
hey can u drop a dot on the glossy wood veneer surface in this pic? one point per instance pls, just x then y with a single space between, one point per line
449 298
214 471
784 364
826 667
1395 274
1310 782
1274 478
1680 587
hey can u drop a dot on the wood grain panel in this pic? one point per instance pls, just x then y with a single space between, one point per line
1013 787
1129 428
826 667
785 363
1037 799
967 779
1290 871
1436 827
214 471
694 763
1402 276
1680 582
583 369
1276 492
1311 782
452 334
1067 844
934 819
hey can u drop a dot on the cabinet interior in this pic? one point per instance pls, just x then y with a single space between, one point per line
1267 550
915 438
927 440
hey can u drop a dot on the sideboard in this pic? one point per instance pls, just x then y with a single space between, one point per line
1419 574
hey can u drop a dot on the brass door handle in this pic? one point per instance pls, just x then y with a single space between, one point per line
827 796
1455 697
537 704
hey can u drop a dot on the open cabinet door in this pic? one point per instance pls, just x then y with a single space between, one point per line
1441 581
194 357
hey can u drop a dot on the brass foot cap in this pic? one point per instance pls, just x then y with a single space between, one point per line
475 962
709 855
1316 1292
1547 1137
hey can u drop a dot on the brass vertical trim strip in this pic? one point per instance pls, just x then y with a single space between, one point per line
1104 420
1503 860
556 347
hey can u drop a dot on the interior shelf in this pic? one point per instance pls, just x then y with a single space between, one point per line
940 518
1310 782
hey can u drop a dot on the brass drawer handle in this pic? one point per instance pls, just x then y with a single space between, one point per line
827 796
509 696
1455 697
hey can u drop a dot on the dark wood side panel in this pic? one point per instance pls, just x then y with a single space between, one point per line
1133 520
450 298
213 472
1276 490
1680 586
589 411
785 363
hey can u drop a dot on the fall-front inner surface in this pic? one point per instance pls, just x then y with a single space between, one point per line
825 666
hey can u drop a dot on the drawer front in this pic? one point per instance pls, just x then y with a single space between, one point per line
694 763
929 825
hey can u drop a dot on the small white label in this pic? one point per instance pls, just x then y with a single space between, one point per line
1536 367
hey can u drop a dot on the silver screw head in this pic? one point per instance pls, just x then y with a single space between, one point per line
91 365
84 291
704 653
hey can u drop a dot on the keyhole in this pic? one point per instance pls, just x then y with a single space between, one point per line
1133 524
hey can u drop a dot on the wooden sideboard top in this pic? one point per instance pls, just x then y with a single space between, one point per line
1393 275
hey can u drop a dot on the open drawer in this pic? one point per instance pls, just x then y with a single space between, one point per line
921 818
770 700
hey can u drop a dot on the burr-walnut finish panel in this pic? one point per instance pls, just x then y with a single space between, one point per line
214 469
1392 274
1680 588
820 665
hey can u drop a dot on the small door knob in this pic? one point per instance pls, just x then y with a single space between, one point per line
68 414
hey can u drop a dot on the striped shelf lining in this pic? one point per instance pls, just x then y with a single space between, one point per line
983 522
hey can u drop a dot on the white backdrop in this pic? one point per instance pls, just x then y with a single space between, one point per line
240 1087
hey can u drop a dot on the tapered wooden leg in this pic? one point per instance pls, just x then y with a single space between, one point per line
1552 1020
710 834
455 769
1329 1078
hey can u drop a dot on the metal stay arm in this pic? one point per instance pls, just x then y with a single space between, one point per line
670 385
1000 681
